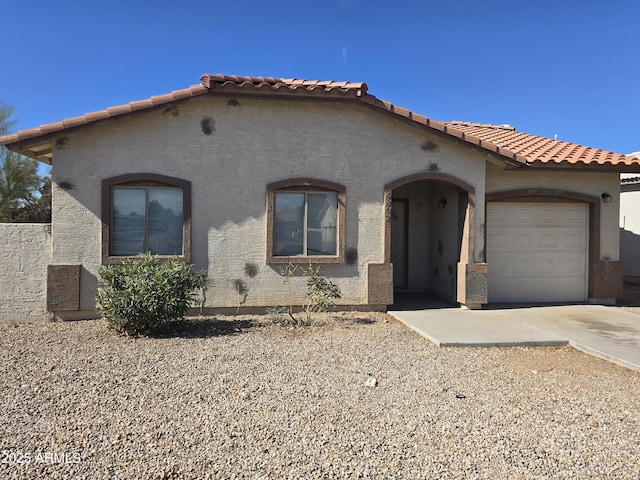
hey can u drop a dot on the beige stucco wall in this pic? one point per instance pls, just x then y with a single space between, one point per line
630 233
263 141
443 240
630 211
258 142
586 183
417 194
25 252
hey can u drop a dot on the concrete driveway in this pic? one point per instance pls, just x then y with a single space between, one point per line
605 332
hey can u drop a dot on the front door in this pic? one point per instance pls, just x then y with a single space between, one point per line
399 241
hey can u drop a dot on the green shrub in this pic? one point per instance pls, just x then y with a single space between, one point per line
321 292
143 295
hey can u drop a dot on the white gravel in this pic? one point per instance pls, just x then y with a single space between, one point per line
359 397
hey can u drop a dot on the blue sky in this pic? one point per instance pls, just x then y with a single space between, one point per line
567 68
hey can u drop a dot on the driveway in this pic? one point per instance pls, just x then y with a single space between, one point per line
605 332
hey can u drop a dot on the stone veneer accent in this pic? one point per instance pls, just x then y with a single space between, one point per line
380 284
63 287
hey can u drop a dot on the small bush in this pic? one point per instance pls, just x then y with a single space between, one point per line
143 295
321 292
321 295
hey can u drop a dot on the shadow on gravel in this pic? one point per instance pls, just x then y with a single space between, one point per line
204 328
353 320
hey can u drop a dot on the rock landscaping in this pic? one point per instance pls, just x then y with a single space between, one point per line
356 396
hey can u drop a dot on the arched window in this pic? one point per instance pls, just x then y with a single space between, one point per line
305 222
145 213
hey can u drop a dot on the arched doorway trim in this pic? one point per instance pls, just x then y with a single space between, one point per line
466 213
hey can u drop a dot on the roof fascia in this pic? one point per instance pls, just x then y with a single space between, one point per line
578 167
629 187
284 92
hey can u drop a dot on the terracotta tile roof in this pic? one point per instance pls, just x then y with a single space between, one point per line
536 150
513 147
219 82
106 114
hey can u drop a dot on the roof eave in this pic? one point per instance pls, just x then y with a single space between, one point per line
40 150
38 143
632 167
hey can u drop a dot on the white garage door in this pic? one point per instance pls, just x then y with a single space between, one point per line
537 252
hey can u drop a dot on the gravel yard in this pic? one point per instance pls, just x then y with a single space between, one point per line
235 397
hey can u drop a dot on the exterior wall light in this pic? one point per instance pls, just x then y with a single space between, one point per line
606 197
442 203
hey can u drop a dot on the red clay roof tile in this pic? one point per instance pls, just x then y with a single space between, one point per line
503 140
538 150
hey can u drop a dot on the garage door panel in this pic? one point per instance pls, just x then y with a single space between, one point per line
562 239
498 239
574 240
575 216
539 265
519 266
546 266
548 216
537 252
521 241
497 216
537 290
521 215
574 264
499 267
547 240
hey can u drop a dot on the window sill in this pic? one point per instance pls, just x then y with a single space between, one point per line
305 260
117 260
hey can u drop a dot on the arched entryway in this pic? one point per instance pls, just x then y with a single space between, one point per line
428 235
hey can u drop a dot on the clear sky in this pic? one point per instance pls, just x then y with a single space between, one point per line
566 67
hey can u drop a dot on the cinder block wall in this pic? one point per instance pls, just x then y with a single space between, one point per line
25 252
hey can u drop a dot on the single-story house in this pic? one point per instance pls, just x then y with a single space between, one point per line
244 175
630 225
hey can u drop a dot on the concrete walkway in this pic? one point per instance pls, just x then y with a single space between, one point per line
605 332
